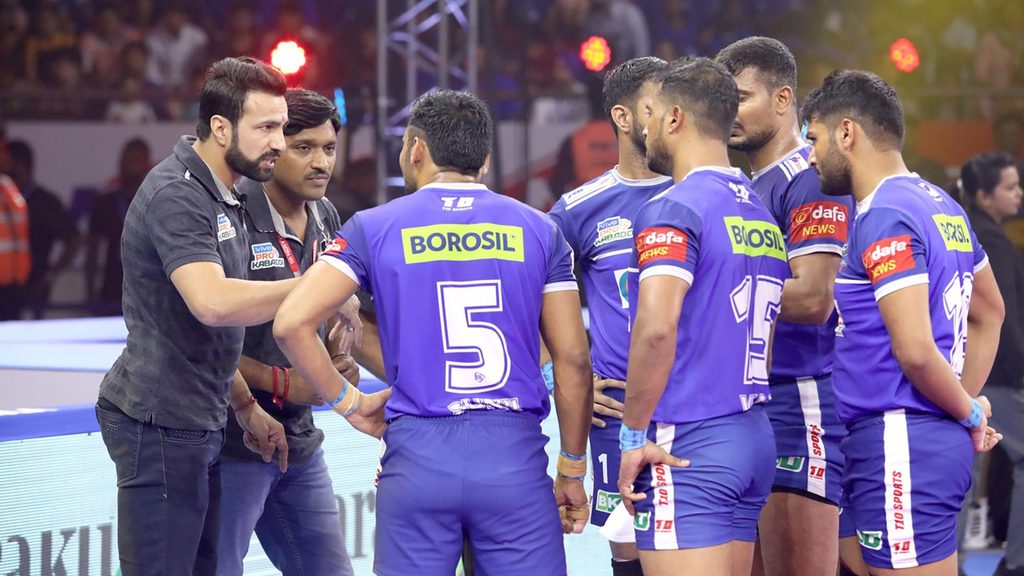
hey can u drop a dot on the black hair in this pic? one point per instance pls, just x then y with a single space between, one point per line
773 62
983 173
21 152
861 96
706 91
456 127
228 82
622 84
307 109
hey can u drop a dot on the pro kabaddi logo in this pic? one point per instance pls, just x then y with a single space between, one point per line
887 257
817 220
660 243
612 230
264 255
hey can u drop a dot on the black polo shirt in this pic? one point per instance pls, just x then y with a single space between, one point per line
176 371
268 262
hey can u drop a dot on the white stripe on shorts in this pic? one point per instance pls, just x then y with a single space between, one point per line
899 521
663 492
817 466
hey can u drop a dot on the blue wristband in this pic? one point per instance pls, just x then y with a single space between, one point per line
630 439
572 457
354 407
974 419
548 372
336 401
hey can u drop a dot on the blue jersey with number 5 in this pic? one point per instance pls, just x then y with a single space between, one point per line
712 232
457 273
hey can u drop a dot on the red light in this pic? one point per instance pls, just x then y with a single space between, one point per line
288 57
595 53
903 54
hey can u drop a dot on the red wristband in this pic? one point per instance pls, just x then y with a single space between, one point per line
287 384
246 404
274 397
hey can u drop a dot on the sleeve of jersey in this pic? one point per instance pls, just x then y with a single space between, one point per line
667 240
892 251
560 217
813 221
349 253
980 256
560 261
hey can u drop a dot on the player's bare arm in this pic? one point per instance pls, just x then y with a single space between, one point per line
216 300
652 351
807 297
317 297
907 319
984 321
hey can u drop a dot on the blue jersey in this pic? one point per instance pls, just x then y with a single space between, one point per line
597 221
712 232
457 273
811 222
907 232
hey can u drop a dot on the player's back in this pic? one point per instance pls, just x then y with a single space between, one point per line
907 232
457 273
597 220
811 223
713 232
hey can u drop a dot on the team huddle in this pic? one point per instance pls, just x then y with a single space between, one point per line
748 404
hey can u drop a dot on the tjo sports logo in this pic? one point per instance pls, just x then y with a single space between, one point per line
888 256
462 243
818 220
612 230
660 243
264 255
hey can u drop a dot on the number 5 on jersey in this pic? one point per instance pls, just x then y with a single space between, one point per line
462 334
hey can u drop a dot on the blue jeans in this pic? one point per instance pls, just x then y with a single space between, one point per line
168 494
295 516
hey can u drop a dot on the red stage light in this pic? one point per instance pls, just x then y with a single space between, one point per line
904 55
288 57
595 53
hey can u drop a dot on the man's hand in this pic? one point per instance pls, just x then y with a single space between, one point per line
349 327
369 416
347 367
263 434
984 437
573 504
633 462
606 405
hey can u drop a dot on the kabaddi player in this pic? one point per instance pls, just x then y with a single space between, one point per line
597 221
920 315
461 278
698 370
798 529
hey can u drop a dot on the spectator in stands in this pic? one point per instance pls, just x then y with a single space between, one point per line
589 151
106 219
991 185
1008 134
15 256
64 100
241 34
131 107
13 38
623 25
49 224
176 48
998 55
51 37
291 25
102 46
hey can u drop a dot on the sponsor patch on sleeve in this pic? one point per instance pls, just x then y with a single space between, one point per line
888 256
661 243
818 220
335 246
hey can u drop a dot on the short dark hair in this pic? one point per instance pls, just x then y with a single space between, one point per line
983 172
861 96
307 109
456 127
624 81
227 84
21 152
773 62
706 91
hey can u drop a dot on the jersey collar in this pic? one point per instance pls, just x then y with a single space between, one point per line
638 182
865 204
766 169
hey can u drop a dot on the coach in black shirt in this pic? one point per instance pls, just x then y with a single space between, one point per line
163 405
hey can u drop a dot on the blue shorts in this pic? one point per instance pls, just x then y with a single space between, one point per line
718 498
906 477
605 458
847 529
481 476
807 436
